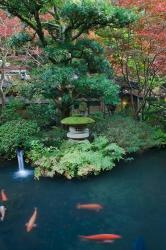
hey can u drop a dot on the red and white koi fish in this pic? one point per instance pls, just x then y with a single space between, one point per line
31 223
92 206
102 237
3 195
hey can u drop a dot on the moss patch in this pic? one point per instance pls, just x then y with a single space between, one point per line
75 120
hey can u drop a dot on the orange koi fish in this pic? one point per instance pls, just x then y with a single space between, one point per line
31 223
102 237
3 195
92 206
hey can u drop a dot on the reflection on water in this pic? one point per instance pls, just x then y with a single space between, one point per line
22 173
132 195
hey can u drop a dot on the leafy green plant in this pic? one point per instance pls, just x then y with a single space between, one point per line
16 133
75 159
160 135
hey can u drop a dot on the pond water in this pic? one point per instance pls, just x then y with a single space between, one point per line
133 195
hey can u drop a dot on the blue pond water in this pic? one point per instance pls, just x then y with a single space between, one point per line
133 196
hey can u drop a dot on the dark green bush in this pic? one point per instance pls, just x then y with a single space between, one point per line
97 116
16 133
128 133
53 137
12 111
155 113
160 135
42 114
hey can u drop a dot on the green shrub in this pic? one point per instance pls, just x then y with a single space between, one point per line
160 135
155 113
129 134
12 111
53 137
97 116
16 133
43 114
75 159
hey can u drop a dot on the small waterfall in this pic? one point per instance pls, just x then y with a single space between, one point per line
22 172
20 158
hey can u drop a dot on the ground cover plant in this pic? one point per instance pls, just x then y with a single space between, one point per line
74 159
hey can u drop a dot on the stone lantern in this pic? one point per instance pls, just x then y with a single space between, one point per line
78 129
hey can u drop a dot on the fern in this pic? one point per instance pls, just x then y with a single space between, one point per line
74 159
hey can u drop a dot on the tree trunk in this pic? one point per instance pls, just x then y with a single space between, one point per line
65 111
2 94
3 99
132 104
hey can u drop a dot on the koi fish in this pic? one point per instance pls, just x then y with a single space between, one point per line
92 206
31 223
2 212
3 195
102 237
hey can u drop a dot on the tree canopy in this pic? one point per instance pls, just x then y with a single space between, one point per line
66 20
73 64
138 51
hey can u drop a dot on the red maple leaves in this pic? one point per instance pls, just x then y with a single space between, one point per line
150 30
8 25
